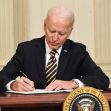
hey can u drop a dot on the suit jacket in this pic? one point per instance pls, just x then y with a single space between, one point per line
74 63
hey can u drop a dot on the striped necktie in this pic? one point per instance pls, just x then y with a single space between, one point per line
51 68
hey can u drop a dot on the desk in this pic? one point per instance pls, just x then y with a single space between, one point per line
40 102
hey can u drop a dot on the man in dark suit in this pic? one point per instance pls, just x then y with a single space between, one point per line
73 66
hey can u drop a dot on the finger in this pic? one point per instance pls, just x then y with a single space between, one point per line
28 81
58 88
51 87
27 87
22 87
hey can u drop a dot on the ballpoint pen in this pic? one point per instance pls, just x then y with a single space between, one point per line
22 74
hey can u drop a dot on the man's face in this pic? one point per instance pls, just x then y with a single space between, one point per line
57 31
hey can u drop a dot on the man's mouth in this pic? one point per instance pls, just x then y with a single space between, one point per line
54 44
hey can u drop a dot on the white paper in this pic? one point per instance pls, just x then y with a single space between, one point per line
39 91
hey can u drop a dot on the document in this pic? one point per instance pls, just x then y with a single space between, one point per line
39 91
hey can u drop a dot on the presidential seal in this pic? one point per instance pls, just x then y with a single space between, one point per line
86 99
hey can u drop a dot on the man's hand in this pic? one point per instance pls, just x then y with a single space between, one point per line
22 84
60 84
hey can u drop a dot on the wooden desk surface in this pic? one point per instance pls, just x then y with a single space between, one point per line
15 100
107 94
8 100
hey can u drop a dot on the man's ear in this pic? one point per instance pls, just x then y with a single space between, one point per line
44 24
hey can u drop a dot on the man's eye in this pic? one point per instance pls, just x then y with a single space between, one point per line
52 31
60 33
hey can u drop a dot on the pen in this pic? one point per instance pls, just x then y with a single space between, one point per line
23 73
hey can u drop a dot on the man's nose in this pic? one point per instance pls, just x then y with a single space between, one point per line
56 36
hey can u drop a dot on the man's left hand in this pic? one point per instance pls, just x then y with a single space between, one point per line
60 84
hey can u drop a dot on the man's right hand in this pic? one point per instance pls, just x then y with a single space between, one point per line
22 84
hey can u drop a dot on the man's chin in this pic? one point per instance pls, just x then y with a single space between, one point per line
54 47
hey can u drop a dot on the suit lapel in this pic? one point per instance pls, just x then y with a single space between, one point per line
40 54
63 59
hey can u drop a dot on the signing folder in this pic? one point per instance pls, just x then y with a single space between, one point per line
39 91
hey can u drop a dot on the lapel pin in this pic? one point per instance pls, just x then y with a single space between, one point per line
65 50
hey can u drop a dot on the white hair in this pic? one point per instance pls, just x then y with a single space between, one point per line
61 12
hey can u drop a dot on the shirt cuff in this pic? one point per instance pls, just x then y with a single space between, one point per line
80 84
8 85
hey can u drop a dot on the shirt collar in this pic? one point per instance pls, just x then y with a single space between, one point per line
48 49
